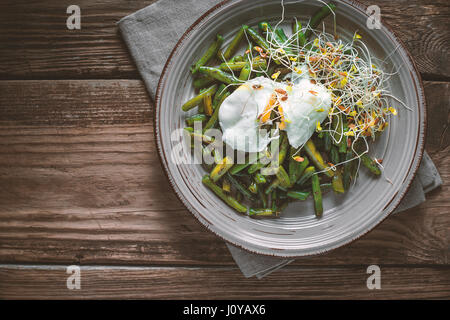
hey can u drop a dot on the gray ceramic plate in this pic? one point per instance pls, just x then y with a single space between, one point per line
297 232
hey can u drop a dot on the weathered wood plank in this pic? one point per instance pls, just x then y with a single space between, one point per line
76 190
37 45
31 282
97 102
438 115
74 103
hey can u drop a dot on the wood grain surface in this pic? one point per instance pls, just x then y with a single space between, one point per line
37 45
49 282
81 182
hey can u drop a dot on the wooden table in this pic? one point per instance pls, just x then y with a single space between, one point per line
81 183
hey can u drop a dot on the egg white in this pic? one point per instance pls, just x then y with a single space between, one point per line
307 104
238 115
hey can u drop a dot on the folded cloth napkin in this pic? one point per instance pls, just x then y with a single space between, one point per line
151 34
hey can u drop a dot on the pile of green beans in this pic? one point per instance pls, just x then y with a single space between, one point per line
298 174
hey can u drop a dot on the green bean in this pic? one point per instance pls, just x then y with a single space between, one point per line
199 98
234 44
318 17
238 58
217 156
253 188
337 182
245 72
323 186
370 164
207 105
283 148
218 96
238 168
201 137
334 154
271 70
234 66
271 171
212 121
239 187
260 41
343 145
327 142
296 29
275 170
262 197
259 164
317 159
232 202
196 118
268 158
296 168
274 200
300 169
260 179
218 74
257 64
264 212
273 185
266 28
203 82
201 106
281 35
256 166
347 174
239 196
226 186
283 177
317 194
298 195
306 175
282 40
269 200
210 53
221 168
278 35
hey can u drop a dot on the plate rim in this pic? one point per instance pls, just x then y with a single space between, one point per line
413 168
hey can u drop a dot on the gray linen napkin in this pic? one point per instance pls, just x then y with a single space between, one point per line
152 32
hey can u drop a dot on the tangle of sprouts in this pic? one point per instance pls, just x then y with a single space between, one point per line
360 95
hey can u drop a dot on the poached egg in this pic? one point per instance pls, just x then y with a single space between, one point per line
304 104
